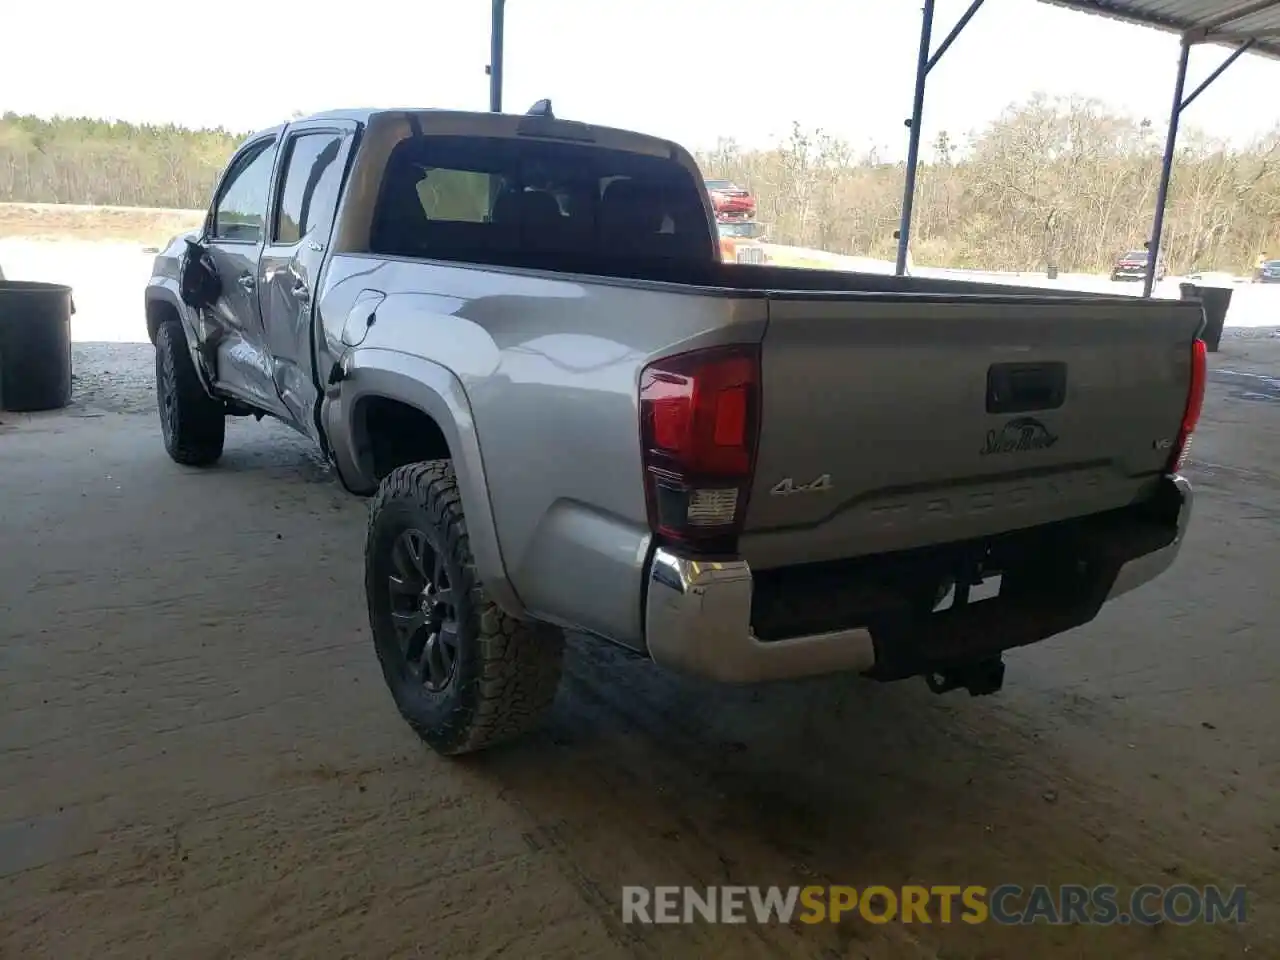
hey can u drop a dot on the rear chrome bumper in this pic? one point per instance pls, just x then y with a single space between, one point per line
698 617
698 621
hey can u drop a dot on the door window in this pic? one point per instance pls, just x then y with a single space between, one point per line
242 206
312 179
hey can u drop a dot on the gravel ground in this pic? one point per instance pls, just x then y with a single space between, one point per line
200 759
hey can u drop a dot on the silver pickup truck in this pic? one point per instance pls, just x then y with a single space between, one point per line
516 332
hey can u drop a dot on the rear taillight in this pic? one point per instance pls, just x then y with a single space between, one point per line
699 420
1195 403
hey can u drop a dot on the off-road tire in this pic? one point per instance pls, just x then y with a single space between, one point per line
194 429
507 670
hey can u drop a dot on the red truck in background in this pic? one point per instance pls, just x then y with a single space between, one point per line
730 201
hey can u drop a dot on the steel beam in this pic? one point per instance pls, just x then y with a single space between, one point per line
1180 103
924 63
1236 54
913 139
496 23
1166 168
955 32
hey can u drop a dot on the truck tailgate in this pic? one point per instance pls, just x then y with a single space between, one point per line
888 424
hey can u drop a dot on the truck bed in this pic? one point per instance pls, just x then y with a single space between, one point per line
888 387
940 410
759 279
878 384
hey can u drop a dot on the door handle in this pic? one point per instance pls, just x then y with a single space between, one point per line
247 282
301 293
1026 387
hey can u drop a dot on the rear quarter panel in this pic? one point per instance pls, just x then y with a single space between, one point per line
550 367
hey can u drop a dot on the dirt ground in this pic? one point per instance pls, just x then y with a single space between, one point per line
198 758
63 221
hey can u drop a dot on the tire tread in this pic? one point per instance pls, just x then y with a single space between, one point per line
200 432
519 661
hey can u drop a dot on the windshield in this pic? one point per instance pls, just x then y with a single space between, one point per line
745 231
719 184
1135 255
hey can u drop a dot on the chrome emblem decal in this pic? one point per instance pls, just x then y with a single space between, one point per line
1020 435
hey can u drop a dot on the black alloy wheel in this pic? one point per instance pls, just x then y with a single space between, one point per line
423 610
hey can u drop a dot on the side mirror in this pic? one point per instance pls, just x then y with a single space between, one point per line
198 281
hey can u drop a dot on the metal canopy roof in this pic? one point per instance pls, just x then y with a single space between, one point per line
1249 26
1229 22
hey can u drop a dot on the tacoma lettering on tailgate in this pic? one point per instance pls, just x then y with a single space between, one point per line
1021 494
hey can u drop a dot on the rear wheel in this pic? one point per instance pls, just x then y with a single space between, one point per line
464 674
193 423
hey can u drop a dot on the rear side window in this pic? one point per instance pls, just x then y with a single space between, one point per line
309 194
523 201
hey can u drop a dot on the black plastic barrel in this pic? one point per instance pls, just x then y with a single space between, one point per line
35 345
1214 301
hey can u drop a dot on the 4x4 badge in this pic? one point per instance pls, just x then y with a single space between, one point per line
786 487
1019 435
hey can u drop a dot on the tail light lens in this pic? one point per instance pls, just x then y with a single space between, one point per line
699 422
1195 403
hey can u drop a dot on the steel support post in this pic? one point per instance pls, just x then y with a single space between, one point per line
496 24
1180 103
913 139
924 63
1166 168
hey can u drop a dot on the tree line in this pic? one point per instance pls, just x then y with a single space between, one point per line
1064 182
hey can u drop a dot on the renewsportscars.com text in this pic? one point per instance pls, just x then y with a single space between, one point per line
1007 904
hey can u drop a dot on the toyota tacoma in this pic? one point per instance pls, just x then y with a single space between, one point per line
516 334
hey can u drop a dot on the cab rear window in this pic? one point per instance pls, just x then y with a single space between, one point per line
507 199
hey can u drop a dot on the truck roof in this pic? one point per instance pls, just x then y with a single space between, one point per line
501 124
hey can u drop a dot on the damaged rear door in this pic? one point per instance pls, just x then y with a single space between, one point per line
312 169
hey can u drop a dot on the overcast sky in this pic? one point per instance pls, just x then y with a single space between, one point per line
690 70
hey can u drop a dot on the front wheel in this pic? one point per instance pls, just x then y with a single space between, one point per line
463 673
193 423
